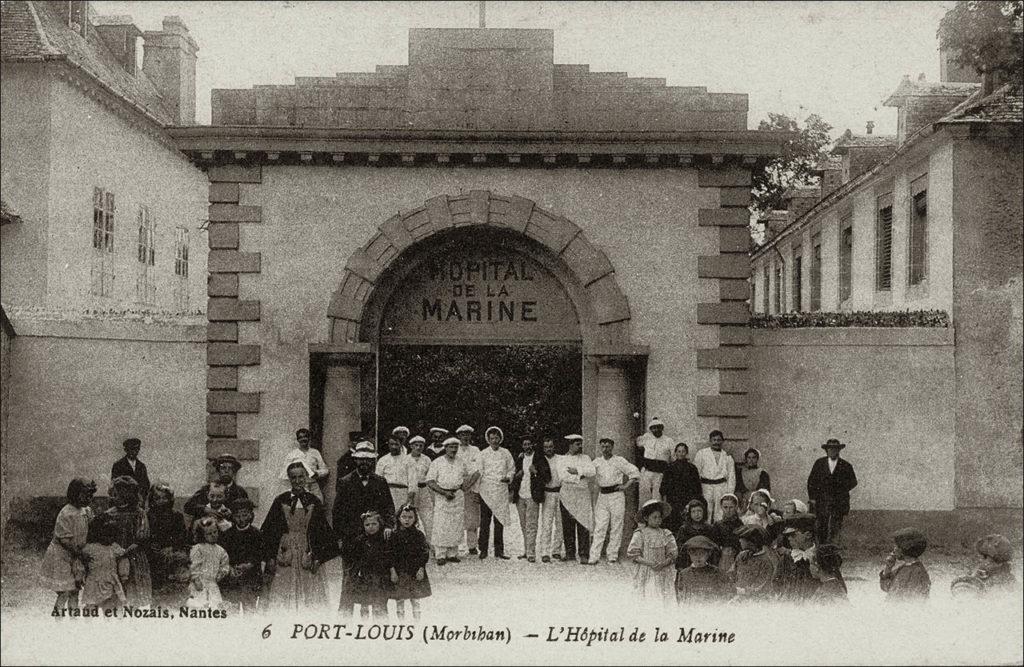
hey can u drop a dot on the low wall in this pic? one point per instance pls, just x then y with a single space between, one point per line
888 393
77 390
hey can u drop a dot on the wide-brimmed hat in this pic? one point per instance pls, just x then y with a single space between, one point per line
653 505
701 542
753 533
364 450
911 541
832 443
501 434
799 522
226 458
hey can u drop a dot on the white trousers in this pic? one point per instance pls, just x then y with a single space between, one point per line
549 523
650 486
609 511
713 494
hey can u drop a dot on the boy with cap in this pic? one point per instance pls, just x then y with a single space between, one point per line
904 577
702 581
470 456
130 465
654 451
794 581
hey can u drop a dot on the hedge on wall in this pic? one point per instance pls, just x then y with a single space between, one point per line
904 318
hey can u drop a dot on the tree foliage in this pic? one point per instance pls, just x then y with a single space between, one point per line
987 35
799 155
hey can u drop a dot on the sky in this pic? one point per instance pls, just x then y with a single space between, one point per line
839 60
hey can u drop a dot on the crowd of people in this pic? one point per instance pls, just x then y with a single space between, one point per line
707 529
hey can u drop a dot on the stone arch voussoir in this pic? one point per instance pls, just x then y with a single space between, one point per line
562 237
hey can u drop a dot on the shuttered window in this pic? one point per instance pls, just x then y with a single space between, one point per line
798 282
917 252
845 259
883 244
816 272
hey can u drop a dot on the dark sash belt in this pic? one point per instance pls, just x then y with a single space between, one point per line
421 484
397 486
610 489
720 480
654 465
450 490
553 489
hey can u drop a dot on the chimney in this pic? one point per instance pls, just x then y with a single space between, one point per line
169 61
870 126
120 35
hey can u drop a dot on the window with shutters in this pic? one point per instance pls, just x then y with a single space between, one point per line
764 295
798 282
917 252
883 244
816 272
102 269
845 258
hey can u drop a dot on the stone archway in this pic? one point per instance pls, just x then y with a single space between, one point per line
602 305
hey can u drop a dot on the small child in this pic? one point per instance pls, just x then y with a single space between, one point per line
244 546
208 564
755 565
904 577
701 581
63 568
107 571
994 554
409 553
654 550
793 507
826 568
369 571
215 506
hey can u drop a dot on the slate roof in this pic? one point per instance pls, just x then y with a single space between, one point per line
33 32
1005 105
850 140
922 88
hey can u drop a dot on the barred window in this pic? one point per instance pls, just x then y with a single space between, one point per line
816 272
883 244
181 252
147 237
845 258
798 282
102 220
917 253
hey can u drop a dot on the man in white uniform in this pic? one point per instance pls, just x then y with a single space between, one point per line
576 469
312 459
496 468
614 475
470 455
717 474
446 478
552 503
394 467
654 453
423 498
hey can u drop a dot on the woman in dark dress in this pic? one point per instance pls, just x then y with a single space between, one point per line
408 553
679 485
168 546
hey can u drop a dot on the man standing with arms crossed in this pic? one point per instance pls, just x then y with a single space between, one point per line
717 473
614 475
575 469
654 451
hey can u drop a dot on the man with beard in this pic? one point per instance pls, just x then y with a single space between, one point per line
226 467
528 484
550 524
358 492
828 488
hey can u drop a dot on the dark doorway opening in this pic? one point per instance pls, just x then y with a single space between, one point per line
524 389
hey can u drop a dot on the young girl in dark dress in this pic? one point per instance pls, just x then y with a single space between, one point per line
369 572
409 553
168 545
132 531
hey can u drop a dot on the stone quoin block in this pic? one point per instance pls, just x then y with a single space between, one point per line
722 405
226 193
608 301
586 261
223 426
733 290
234 173
734 196
222 377
243 450
222 332
734 239
734 335
222 284
723 217
723 177
232 354
233 261
723 266
232 310
234 213
731 312
733 381
232 401
223 235
735 428
723 357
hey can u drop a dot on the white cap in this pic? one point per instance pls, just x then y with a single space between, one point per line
655 422
438 429
399 429
364 450
417 438
451 441
465 428
574 436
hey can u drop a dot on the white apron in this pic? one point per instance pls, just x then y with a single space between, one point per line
448 528
577 501
495 494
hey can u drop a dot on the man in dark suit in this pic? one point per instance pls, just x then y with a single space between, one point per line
358 492
828 488
129 465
